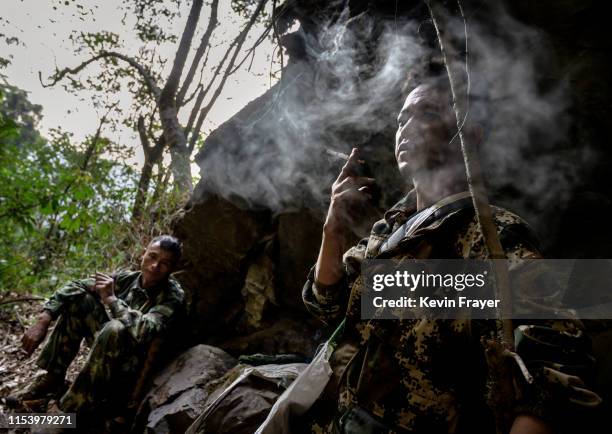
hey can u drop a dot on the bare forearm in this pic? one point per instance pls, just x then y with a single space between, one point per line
328 269
347 191
35 334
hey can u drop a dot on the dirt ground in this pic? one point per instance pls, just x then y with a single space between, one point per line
17 312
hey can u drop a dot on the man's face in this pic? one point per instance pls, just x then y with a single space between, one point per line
156 265
425 126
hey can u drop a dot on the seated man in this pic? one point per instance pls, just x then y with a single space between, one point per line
425 375
118 315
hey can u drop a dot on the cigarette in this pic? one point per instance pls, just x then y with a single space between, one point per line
340 155
336 154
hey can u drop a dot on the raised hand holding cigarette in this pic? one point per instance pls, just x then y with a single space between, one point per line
349 192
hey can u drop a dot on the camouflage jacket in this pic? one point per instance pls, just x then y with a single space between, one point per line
431 376
146 312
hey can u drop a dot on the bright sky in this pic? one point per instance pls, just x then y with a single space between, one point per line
45 26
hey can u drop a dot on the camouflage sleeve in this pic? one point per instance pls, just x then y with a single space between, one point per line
324 302
144 326
55 304
329 302
557 353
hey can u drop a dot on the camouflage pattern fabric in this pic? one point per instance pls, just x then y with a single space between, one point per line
431 376
119 336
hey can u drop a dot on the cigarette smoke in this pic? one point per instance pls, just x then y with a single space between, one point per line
347 92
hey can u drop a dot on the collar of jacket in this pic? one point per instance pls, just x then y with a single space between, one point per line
402 210
396 216
151 292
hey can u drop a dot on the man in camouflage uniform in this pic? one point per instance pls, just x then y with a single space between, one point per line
118 316
423 375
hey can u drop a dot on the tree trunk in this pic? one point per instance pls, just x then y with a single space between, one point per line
177 144
160 184
174 134
152 156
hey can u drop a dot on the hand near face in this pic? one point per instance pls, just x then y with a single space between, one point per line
104 285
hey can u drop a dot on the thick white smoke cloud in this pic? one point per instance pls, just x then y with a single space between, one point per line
348 93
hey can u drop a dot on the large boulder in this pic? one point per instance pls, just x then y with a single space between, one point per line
218 237
179 392
299 238
244 272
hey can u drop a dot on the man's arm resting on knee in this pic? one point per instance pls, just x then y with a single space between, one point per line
34 335
52 308
142 326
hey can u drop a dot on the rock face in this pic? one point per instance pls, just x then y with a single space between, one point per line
244 272
299 238
179 392
218 240
284 336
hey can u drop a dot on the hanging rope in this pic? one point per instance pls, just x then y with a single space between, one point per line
499 356
478 192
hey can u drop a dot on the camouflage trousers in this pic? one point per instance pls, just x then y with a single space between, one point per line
111 364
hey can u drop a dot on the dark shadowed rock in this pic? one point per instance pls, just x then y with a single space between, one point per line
285 336
217 238
299 238
258 291
179 392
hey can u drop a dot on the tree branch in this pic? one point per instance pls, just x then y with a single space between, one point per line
195 110
89 152
496 354
251 50
192 96
144 137
477 190
21 299
144 72
204 43
238 42
203 93
171 87
152 156
277 34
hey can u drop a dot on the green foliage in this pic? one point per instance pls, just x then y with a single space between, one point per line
64 207
102 40
245 9
154 18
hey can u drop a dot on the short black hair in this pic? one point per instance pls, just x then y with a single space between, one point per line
170 244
